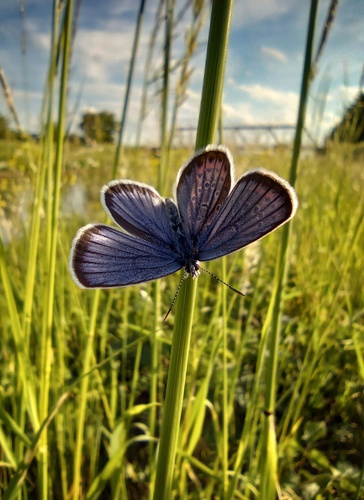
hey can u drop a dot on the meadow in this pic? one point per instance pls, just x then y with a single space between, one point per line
271 393
320 377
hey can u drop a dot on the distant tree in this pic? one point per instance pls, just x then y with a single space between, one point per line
99 127
76 139
70 137
351 127
4 127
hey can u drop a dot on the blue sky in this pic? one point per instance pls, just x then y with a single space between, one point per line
263 72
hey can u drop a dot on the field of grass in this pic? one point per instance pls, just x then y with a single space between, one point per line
272 404
319 412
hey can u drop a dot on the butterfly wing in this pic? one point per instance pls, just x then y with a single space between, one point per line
141 211
203 185
104 257
259 203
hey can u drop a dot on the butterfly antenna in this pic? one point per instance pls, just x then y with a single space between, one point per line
224 282
185 276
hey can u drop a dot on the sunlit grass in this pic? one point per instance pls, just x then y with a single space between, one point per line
320 369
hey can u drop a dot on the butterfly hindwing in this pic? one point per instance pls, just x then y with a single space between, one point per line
104 257
259 203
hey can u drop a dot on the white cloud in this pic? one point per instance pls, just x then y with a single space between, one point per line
274 54
239 114
251 11
42 40
267 94
107 91
99 53
348 94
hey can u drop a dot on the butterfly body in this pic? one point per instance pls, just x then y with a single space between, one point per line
208 220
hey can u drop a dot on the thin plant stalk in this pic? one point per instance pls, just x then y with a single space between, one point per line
46 340
10 102
155 343
24 367
207 126
154 382
162 172
81 420
120 144
225 391
44 163
185 72
147 70
269 455
28 400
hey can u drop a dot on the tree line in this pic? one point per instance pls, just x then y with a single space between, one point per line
96 127
100 127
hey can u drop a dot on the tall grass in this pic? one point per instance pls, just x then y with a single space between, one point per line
83 373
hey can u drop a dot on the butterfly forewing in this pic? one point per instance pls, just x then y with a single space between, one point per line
202 187
140 210
259 203
103 257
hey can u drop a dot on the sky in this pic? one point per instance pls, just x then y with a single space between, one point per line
263 73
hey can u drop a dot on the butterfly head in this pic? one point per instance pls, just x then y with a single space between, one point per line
193 268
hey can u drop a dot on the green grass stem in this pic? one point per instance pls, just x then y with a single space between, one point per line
225 389
268 440
119 148
174 392
25 372
155 346
148 69
54 185
77 473
47 324
207 126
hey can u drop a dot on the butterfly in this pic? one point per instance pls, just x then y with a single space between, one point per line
210 217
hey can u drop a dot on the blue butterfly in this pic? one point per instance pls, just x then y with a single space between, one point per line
211 217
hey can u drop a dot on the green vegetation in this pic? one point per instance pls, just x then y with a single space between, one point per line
99 127
321 367
83 373
4 127
351 127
